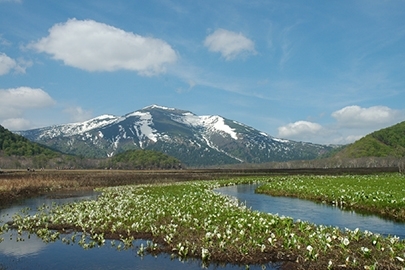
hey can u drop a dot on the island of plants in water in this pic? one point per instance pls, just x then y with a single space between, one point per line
192 220
380 194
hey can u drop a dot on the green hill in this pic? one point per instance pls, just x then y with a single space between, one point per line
387 142
144 159
15 145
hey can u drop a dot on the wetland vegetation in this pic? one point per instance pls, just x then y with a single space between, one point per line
188 219
380 194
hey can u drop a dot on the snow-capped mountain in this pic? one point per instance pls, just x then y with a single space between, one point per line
195 140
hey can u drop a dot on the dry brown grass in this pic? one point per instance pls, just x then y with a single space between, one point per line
18 184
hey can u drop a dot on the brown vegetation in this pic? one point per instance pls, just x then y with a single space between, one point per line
15 185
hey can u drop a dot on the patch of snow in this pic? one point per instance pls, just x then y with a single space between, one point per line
280 140
218 123
143 127
208 122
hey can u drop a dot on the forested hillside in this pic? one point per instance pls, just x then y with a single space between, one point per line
16 145
387 142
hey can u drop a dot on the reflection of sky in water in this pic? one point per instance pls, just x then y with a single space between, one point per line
312 212
10 247
58 255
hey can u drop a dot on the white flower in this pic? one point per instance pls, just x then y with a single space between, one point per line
345 241
400 259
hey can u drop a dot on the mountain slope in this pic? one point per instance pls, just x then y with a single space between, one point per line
195 140
15 145
387 142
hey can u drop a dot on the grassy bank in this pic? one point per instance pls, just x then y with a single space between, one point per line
190 220
380 194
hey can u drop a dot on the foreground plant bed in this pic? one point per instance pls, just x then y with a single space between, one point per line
380 194
190 220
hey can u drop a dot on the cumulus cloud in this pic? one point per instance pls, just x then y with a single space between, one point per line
78 114
6 64
372 117
15 102
229 44
16 123
352 123
300 130
94 46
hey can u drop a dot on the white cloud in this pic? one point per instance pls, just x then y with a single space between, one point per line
8 64
95 46
300 130
352 123
15 102
372 117
16 123
229 44
78 114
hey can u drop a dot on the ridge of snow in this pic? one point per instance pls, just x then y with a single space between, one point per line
79 127
154 106
280 140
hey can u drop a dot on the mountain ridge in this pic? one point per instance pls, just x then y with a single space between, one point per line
193 139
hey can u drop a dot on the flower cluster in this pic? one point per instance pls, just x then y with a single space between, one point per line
191 220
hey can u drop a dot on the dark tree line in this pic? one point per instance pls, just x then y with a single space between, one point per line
143 159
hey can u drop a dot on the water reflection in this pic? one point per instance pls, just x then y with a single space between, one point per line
33 253
17 249
312 212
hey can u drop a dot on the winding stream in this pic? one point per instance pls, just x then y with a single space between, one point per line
33 253
320 214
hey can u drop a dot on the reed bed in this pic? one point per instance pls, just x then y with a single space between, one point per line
191 220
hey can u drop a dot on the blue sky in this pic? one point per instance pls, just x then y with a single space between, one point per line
316 71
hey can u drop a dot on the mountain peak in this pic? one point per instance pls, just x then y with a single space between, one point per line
193 139
155 106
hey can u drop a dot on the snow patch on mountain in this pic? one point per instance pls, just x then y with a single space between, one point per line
208 122
144 128
217 123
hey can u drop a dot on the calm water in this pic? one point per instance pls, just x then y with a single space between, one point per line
34 254
313 212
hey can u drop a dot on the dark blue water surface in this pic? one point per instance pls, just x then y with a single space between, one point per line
33 253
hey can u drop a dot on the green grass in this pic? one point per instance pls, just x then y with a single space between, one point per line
191 220
381 194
